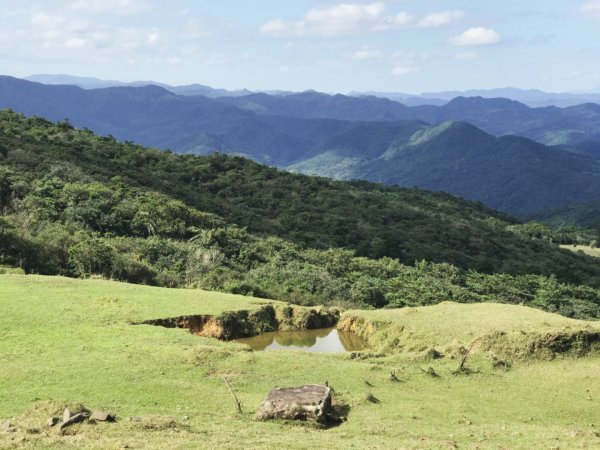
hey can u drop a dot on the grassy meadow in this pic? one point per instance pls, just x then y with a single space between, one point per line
66 341
591 251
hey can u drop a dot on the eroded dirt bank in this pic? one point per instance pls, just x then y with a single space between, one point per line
247 323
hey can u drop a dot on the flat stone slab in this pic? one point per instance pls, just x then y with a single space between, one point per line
102 416
77 418
310 402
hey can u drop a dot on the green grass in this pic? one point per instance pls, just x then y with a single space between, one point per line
448 322
591 251
70 341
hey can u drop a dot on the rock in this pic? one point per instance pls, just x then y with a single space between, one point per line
102 416
8 427
80 417
72 410
52 421
70 413
67 414
310 402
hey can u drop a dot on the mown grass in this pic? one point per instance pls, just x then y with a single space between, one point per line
70 341
591 251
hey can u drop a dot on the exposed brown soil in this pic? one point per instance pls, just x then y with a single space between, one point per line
239 324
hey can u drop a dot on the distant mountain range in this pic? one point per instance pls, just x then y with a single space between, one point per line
97 83
573 126
331 135
531 97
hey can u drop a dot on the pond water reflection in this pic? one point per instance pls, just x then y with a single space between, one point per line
326 340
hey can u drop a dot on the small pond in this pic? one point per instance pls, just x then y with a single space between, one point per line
326 340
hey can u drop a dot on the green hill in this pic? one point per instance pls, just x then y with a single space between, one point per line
507 173
583 215
78 204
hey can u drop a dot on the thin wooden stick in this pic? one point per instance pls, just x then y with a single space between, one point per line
463 360
238 404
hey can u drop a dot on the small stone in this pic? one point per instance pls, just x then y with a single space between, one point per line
186 418
102 416
67 414
8 427
73 420
52 421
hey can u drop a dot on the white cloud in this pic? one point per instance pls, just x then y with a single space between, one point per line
276 27
407 62
152 38
476 36
65 33
353 18
43 19
366 53
402 19
75 43
337 20
405 69
116 7
440 19
591 10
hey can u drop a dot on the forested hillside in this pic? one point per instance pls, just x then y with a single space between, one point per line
78 204
583 215
508 173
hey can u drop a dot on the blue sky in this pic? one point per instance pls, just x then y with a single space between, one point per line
334 46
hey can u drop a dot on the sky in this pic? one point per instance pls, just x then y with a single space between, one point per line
410 46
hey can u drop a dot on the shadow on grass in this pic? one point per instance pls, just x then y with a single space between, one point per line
338 415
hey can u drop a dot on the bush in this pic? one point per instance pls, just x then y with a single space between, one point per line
93 256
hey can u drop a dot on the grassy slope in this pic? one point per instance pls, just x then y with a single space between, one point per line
81 348
591 251
448 321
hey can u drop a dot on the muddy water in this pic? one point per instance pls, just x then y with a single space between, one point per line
326 340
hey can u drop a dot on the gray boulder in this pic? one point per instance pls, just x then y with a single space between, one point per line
308 403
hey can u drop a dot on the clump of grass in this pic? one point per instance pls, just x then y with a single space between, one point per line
11 270
369 397
432 354
430 371
501 364
158 423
